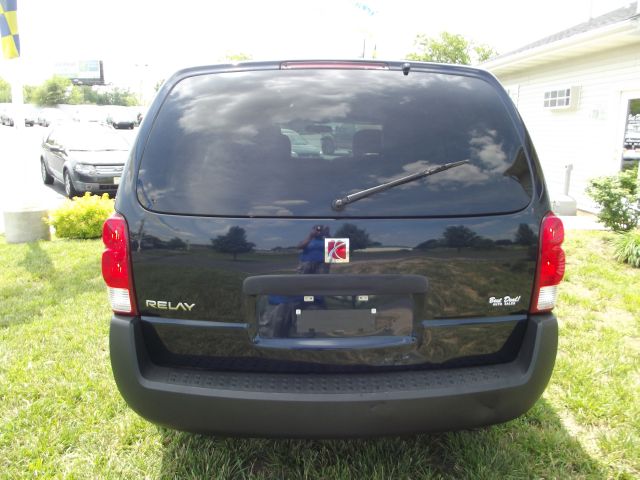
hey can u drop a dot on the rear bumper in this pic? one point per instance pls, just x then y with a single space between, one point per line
332 405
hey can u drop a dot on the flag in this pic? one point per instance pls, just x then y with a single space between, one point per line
9 28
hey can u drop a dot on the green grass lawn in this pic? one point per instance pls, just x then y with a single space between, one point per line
62 416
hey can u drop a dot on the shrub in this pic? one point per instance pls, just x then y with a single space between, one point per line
627 248
617 197
82 217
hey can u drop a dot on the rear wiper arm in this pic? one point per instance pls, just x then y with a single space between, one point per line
339 203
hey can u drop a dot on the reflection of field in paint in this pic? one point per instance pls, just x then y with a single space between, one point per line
459 287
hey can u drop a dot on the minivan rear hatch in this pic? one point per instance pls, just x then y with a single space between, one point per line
242 259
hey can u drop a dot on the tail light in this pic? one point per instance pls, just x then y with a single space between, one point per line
551 263
337 64
116 265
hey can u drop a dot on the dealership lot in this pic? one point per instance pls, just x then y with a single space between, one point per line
23 186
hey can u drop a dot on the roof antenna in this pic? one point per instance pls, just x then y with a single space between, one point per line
406 67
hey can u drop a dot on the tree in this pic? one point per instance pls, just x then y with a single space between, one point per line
5 91
118 96
525 235
158 84
429 244
238 57
76 96
358 238
83 94
449 48
53 91
29 93
459 236
234 242
176 243
484 52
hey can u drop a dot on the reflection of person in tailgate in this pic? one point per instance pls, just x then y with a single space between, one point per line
312 255
279 318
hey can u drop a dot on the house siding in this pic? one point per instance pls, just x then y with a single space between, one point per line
589 136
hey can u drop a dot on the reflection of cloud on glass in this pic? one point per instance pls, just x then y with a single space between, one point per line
464 175
207 111
289 203
485 147
152 194
269 210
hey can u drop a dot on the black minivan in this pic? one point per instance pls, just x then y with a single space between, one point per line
400 282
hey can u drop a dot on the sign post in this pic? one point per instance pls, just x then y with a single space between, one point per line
10 42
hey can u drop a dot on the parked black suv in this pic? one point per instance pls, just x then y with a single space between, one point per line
402 285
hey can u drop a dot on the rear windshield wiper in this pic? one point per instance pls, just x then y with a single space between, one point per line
339 203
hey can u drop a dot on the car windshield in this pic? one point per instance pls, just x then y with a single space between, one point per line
323 134
89 137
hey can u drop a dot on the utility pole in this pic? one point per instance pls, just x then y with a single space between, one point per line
17 97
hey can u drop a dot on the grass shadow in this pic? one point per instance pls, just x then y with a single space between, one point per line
37 262
46 275
533 446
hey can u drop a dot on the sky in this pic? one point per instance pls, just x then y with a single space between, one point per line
143 41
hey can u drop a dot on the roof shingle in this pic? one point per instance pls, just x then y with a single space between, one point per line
615 16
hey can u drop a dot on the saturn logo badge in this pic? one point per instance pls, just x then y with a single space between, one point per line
336 250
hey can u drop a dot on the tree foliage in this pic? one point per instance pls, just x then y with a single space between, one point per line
484 52
54 91
60 90
118 96
525 235
234 242
450 48
459 237
358 238
238 57
158 84
5 91
29 93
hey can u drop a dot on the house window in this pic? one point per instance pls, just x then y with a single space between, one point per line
557 98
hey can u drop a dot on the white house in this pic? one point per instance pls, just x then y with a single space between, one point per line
579 94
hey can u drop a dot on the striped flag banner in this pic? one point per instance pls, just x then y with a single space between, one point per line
9 28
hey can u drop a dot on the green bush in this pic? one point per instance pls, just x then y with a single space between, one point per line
617 197
627 248
82 217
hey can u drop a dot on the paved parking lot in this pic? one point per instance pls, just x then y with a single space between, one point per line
22 184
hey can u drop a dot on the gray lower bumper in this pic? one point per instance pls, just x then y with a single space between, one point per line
94 187
332 405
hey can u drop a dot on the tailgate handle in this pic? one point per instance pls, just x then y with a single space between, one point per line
331 284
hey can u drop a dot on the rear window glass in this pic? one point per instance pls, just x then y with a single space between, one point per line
282 143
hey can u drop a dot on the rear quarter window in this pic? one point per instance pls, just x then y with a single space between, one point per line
283 143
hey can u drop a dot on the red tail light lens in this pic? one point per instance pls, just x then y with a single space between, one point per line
551 264
116 262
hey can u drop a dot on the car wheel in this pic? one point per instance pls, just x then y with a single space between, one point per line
69 189
46 177
328 146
